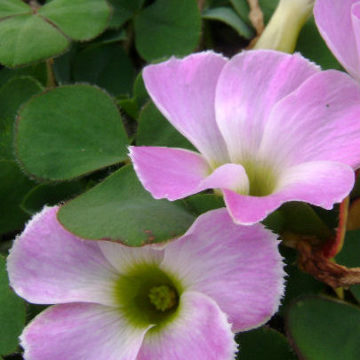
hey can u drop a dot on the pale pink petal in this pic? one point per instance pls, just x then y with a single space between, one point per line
227 176
200 331
48 265
124 258
321 183
168 173
184 91
318 121
238 266
355 19
176 173
249 85
81 331
333 19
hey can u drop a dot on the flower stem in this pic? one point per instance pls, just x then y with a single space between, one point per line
256 17
51 82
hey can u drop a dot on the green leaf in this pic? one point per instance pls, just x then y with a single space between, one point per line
297 282
14 186
167 27
101 65
350 256
229 17
15 92
6 141
37 71
129 106
313 47
139 90
132 105
49 194
274 222
300 218
242 8
264 344
201 203
155 130
268 7
78 19
62 66
68 132
13 7
120 209
29 38
12 314
124 10
111 36
322 329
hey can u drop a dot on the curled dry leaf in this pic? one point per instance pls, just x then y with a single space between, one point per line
313 261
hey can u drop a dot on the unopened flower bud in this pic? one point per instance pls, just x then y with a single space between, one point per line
284 27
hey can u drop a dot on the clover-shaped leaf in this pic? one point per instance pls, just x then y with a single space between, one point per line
321 329
124 10
167 27
13 7
30 34
120 209
78 19
68 132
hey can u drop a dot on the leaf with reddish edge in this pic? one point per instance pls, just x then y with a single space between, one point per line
334 245
120 209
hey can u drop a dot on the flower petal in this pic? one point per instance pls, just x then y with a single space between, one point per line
81 331
124 257
321 183
249 85
355 19
184 91
333 19
200 331
176 173
227 176
48 265
238 266
318 121
168 173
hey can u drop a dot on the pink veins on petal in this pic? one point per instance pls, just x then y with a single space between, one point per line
269 128
183 301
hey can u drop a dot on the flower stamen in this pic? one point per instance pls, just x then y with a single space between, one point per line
163 297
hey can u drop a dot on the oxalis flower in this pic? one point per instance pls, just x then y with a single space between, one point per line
270 127
339 24
181 301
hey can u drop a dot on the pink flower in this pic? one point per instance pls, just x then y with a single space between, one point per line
181 301
339 24
270 127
